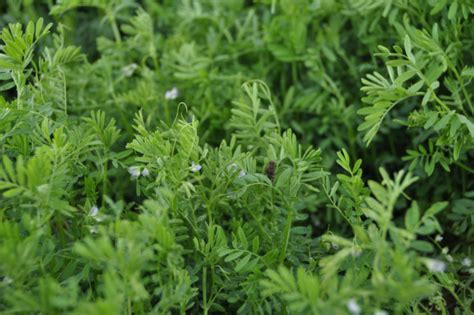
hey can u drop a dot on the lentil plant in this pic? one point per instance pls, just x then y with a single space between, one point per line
236 157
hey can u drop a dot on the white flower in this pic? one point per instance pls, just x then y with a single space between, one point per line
93 229
471 271
195 167
171 94
145 172
356 252
438 238
435 265
466 262
353 307
134 171
129 70
7 280
380 312
242 173
94 211
449 258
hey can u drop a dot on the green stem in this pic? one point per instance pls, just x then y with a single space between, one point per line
105 177
204 290
463 88
464 167
115 28
167 113
286 235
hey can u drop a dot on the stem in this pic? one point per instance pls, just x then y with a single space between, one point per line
334 205
115 29
167 113
463 88
286 235
204 290
464 167
105 177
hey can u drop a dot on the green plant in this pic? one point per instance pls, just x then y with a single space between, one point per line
203 157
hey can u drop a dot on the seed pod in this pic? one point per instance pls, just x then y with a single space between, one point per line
270 170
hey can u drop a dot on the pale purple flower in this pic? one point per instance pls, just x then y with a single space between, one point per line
7 280
195 167
435 265
134 171
145 172
129 70
172 94
466 262
356 252
94 211
353 307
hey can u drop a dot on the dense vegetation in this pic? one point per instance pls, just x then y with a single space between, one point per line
238 157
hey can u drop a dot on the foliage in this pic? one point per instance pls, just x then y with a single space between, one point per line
248 157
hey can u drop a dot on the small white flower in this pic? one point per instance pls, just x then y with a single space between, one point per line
471 271
356 252
93 229
129 70
172 94
94 211
145 172
449 258
353 307
242 173
445 250
195 167
134 171
435 265
380 312
7 280
438 238
466 262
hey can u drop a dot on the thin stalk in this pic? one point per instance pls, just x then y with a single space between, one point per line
115 29
286 235
464 167
204 290
105 177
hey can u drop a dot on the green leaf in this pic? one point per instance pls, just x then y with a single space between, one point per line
234 256
242 263
412 216
470 126
436 208
408 49
398 62
422 246
453 10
